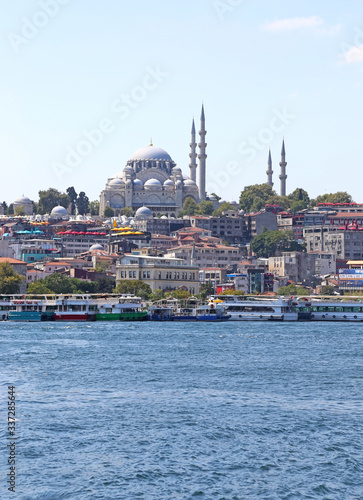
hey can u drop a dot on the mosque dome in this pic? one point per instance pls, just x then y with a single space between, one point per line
143 212
117 182
96 246
169 184
163 217
189 182
150 153
212 197
23 199
152 184
138 184
176 170
59 211
128 169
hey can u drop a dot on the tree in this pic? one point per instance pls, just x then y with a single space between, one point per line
205 208
301 196
10 281
232 292
255 197
206 289
267 243
338 197
136 287
50 198
38 288
108 212
73 197
127 211
11 209
223 208
5 207
190 207
94 207
19 210
296 206
82 203
281 201
292 290
62 284
327 290
157 294
106 284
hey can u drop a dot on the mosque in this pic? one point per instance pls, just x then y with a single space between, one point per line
152 179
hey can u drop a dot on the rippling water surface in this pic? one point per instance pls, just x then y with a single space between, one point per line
169 411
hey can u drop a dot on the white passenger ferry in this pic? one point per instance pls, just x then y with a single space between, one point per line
336 309
258 308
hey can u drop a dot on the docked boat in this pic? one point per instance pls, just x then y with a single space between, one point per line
257 308
73 308
160 313
334 309
123 308
30 310
212 312
4 308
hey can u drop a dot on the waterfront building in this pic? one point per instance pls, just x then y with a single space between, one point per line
344 243
164 273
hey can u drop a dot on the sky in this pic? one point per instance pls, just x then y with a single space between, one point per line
85 83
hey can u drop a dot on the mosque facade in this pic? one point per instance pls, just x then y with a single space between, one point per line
152 179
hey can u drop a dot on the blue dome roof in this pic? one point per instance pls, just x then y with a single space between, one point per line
150 153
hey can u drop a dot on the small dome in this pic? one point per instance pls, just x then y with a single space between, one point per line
59 211
168 182
128 169
163 217
212 197
150 153
96 246
176 170
189 182
143 212
152 184
138 184
117 182
233 202
23 199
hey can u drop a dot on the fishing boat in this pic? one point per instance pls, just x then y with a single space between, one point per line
30 310
212 312
124 308
257 308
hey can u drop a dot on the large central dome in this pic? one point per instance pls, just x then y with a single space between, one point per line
150 153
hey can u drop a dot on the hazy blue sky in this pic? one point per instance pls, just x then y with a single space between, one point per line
264 69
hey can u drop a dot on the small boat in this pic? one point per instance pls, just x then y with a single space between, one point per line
212 312
30 310
160 313
124 308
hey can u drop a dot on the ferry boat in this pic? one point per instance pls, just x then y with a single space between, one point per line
257 308
73 308
30 310
212 312
4 308
160 313
186 310
124 308
336 309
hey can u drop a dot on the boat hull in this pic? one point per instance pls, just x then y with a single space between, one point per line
64 316
126 316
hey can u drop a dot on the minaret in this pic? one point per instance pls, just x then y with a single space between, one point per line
283 175
193 156
269 170
202 156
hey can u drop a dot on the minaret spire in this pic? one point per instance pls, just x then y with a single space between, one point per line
193 155
269 170
283 175
202 156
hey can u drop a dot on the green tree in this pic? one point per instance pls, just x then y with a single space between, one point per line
5 207
157 294
106 284
268 243
205 208
94 207
19 210
10 209
327 290
338 197
223 208
296 206
73 197
127 211
255 197
190 207
299 195
206 289
181 294
293 290
38 288
108 212
136 287
281 201
232 292
10 281
82 203
50 198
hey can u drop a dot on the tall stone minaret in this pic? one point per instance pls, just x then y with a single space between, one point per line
202 156
283 175
269 170
193 156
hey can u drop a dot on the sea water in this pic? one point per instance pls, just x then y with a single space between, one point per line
183 411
